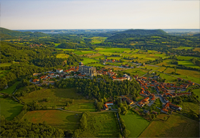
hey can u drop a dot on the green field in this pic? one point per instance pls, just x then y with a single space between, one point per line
60 97
11 89
9 108
197 92
176 126
97 40
186 57
101 124
183 47
188 64
61 119
186 106
62 56
134 123
84 52
5 64
136 71
88 60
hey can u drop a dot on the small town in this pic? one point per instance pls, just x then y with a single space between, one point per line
163 91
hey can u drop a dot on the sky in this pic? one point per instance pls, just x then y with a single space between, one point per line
100 14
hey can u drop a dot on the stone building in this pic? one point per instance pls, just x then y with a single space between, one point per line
86 70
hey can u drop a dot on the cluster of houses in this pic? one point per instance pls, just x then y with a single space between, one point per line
35 45
80 71
167 89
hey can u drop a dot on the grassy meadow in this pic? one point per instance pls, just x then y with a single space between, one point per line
11 89
62 56
59 98
176 126
134 123
60 119
9 108
101 124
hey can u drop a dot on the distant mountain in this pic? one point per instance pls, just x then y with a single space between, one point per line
10 34
135 33
143 32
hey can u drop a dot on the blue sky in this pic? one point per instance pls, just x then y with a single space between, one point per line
100 14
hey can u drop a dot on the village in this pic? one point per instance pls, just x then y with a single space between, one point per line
161 90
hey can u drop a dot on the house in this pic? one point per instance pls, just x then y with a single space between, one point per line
106 107
175 107
109 103
35 80
59 70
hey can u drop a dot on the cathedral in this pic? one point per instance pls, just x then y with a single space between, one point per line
86 70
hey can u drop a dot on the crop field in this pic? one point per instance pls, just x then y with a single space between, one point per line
169 70
62 56
65 49
116 58
176 126
186 57
197 49
113 50
136 71
84 52
89 60
9 108
5 64
60 119
161 69
188 64
11 89
166 63
101 125
168 78
183 47
189 75
97 40
60 97
186 106
134 123
197 92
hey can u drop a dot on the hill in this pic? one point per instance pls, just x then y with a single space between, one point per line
135 33
10 34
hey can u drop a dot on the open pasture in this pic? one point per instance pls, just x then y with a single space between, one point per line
176 126
62 56
11 89
134 123
89 60
188 64
197 49
137 71
169 70
114 50
182 47
5 64
9 108
166 63
60 97
81 52
60 119
197 92
101 124
97 40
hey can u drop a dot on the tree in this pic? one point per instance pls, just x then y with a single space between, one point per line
119 110
126 132
83 122
99 106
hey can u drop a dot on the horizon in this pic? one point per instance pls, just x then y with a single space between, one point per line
87 14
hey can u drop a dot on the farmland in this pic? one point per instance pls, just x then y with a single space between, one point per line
97 40
62 56
59 98
197 92
183 47
101 125
11 89
5 64
176 126
134 123
56 118
9 108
